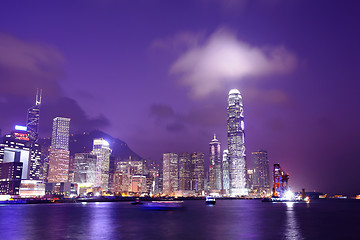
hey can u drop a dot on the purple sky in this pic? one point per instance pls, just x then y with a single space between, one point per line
156 74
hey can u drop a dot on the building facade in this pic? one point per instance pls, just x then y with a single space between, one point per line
33 117
198 174
59 151
185 170
101 148
85 168
215 168
170 173
18 147
225 170
236 144
261 176
10 178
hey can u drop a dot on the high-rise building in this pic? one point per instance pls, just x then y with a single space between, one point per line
261 176
58 166
59 151
170 173
198 174
33 117
185 169
10 178
60 133
121 178
236 144
138 184
18 147
85 168
101 148
250 177
215 168
225 168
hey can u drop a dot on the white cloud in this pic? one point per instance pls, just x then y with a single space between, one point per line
223 58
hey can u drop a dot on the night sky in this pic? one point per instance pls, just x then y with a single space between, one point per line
156 74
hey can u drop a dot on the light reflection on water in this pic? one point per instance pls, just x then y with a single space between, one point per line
293 229
228 219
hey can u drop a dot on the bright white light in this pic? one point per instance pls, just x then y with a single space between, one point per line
289 195
4 197
234 91
20 128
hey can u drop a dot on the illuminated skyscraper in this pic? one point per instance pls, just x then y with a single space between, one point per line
85 168
236 144
18 147
225 170
198 174
60 133
261 176
170 173
59 152
215 168
33 117
185 169
102 150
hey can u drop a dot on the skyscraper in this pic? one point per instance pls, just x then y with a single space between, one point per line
261 176
85 168
215 168
236 144
101 148
170 173
198 175
59 152
225 169
18 147
33 117
185 169
60 133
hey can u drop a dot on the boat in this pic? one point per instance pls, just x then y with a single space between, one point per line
163 205
137 202
210 200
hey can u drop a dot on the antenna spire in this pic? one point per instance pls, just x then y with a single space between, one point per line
38 96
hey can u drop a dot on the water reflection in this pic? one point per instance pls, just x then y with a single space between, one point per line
292 226
101 225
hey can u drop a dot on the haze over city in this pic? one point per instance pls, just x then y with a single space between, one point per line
157 75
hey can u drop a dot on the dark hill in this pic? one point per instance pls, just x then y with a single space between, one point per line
83 142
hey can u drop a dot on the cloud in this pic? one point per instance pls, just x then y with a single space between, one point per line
223 58
25 66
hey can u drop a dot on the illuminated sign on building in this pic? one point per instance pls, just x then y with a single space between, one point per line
21 136
20 128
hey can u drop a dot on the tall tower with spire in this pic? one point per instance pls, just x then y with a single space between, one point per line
236 144
215 168
33 117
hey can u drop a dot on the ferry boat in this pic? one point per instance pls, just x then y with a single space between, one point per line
163 205
210 200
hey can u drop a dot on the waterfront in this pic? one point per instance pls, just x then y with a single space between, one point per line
228 219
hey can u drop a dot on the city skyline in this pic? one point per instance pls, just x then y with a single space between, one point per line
158 81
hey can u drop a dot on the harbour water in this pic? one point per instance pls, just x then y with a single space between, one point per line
228 219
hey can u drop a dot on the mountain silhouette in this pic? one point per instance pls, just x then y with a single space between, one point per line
83 143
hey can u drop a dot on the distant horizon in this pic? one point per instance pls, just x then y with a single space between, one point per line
159 81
